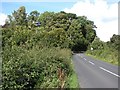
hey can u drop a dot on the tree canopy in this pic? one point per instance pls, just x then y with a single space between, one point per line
114 42
65 30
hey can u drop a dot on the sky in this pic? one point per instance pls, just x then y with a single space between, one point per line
104 13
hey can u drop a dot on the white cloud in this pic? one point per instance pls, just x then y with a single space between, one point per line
104 16
3 17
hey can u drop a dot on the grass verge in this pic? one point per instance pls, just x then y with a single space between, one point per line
108 60
73 79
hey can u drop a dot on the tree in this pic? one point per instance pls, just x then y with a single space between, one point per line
20 16
81 32
46 19
33 19
114 42
97 44
58 29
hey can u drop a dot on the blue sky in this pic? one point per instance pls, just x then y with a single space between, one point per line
9 7
104 13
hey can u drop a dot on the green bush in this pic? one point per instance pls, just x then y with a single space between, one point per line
106 51
35 68
108 55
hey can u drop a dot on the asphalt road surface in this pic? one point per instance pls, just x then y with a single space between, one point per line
95 73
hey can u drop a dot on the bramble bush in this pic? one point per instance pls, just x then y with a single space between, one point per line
28 69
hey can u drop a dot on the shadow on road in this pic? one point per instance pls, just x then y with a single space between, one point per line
77 52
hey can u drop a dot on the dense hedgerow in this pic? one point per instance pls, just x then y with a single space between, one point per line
108 55
35 68
107 51
29 61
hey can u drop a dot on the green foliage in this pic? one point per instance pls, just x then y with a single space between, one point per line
61 29
32 18
37 56
106 51
73 79
34 68
114 42
20 16
78 31
97 44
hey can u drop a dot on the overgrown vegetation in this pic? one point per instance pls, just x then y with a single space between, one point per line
35 68
36 48
106 51
65 30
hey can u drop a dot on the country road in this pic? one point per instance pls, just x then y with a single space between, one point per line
95 73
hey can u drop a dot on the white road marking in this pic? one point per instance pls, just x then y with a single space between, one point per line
91 62
109 71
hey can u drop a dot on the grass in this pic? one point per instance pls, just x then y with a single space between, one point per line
107 58
73 80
